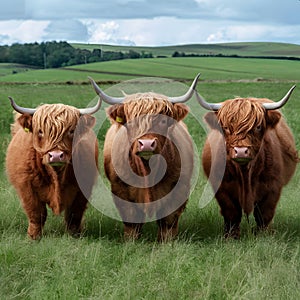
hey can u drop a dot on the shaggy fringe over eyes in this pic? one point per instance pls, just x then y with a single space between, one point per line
241 115
147 103
54 120
142 107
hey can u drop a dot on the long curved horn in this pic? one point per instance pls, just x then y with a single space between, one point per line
31 111
188 95
91 110
21 110
207 105
105 97
279 104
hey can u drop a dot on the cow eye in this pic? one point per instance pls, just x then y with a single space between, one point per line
71 132
163 122
226 130
258 128
40 133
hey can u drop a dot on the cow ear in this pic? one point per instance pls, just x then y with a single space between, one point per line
273 117
181 111
116 114
212 120
25 120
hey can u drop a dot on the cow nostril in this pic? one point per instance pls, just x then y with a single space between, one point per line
56 156
241 152
153 144
141 145
147 144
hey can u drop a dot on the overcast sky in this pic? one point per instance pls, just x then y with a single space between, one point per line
150 22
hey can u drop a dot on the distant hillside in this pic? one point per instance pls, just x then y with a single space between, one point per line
264 49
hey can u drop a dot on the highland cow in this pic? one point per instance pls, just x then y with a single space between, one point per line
148 159
39 162
254 142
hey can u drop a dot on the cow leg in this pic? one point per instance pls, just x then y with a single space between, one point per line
128 211
168 226
74 213
37 214
264 210
132 231
232 214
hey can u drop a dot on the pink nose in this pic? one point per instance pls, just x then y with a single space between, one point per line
241 152
147 145
56 156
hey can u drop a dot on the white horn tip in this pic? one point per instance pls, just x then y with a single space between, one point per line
195 82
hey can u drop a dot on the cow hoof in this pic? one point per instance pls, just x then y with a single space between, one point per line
233 234
34 237
34 231
74 230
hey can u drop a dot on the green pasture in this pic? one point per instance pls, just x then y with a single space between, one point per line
8 69
221 69
211 68
199 264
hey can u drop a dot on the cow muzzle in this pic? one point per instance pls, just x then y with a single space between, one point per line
241 154
57 158
146 147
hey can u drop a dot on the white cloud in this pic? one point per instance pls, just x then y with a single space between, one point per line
171 31
150 22
258 32
22 31
145 32
107 33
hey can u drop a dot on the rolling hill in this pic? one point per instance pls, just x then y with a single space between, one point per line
179 68
240 49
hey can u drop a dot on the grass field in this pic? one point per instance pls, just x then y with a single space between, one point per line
225 69
199 264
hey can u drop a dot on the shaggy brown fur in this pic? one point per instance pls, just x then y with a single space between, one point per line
36 181
145 116
256 185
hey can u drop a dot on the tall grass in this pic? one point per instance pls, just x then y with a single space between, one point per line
199 264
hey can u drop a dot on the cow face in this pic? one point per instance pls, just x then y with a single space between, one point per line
148 119
52 128
244 123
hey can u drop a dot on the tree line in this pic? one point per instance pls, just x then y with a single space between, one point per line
62 54
183 54
59 54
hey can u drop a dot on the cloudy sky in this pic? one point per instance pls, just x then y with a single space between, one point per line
149 22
